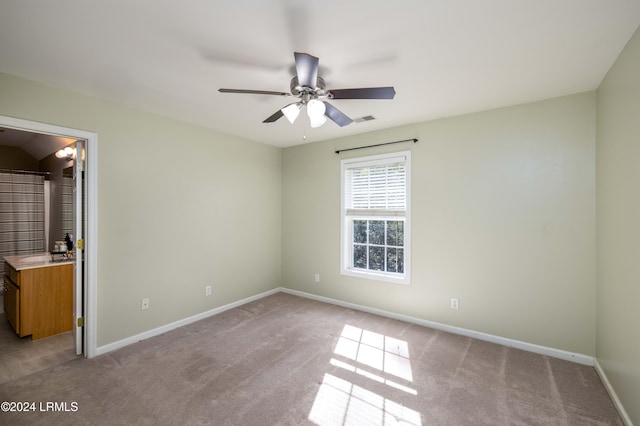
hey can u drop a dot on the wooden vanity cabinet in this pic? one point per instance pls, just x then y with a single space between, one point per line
39 301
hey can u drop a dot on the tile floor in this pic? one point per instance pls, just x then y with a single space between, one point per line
21 356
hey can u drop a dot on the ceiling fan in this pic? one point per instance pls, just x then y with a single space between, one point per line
312 95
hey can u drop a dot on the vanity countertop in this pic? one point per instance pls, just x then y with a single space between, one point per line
37 260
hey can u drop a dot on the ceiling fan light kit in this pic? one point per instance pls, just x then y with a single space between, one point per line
291 112
317 121
315 108
312 94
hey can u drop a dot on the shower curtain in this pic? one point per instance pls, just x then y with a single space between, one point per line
22 221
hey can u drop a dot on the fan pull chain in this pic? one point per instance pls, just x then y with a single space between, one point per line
304 131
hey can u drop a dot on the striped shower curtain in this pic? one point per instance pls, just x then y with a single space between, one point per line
22 210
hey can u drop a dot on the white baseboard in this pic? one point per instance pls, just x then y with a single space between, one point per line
612 393
171 326
543 350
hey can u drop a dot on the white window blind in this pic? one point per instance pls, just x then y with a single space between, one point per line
376 190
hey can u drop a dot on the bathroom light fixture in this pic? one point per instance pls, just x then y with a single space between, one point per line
67 153
315 111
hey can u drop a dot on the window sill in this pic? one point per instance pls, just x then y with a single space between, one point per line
370 275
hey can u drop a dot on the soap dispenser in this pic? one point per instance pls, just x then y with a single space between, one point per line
67 239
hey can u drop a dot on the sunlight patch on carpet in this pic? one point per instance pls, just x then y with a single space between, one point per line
340 402
375 350
363 352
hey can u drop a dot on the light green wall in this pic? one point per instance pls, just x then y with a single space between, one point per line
618 227
180 207
503 210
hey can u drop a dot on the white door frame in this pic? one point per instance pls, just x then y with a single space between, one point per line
79 210
91 234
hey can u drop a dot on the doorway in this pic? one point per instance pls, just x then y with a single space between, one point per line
84 228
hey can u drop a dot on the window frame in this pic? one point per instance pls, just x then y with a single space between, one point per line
346 221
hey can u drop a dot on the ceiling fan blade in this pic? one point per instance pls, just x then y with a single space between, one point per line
364 93
254 92
336 115
307 69
274 117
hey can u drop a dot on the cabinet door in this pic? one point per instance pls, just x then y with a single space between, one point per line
12 304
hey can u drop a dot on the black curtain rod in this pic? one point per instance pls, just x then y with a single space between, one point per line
24 172
414 140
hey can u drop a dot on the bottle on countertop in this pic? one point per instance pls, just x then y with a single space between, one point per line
69 242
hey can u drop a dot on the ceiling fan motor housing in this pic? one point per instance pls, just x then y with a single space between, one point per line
297 90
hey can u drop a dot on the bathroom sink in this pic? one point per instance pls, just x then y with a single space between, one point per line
40 258
37 260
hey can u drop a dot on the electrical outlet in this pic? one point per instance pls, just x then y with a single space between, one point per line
207 290
316 278
145 303
455 303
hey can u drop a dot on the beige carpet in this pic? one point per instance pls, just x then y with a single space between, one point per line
284 360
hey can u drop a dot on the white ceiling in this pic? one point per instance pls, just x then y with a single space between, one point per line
444 58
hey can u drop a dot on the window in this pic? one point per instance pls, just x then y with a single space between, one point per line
375 217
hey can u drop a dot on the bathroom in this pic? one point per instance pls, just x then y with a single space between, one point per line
37 187
36 197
